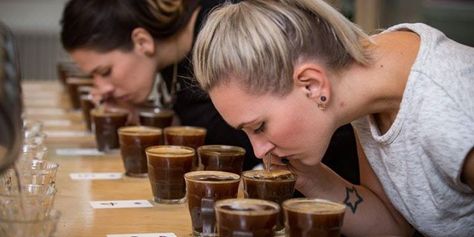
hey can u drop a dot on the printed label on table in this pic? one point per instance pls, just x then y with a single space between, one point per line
45 111
57 122
56 134
120 204
95 176
78 152
144 235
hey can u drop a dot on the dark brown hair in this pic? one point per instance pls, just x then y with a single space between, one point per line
105 25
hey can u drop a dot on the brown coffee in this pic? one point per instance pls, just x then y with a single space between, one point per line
105 125
133 142
186 136
313 217
156 118
72 86
273 185
87 105
246 217
204 188
166 168
222 158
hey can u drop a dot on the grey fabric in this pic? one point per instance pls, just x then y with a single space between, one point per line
419 159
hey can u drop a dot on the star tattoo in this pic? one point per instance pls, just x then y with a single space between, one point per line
352 199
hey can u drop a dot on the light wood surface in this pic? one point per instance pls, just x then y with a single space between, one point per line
73 197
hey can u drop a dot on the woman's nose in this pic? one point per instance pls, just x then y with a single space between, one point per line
261 145
102 88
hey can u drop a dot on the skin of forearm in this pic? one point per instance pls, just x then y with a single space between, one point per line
366 214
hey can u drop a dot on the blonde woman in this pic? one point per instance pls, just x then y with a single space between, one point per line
300 70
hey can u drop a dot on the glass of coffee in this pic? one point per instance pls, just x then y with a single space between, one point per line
222 158
72 85
246 217
167 165
313 217
186 136
105 125
87 105
133 142
154 117
271 185
204 188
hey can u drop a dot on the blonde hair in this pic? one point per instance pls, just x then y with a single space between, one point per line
259 42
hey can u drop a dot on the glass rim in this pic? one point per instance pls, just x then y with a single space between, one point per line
286 205
246 201
174 130
219 147
186 150
245 175
142 130
189 176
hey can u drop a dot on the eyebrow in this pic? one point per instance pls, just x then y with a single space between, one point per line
95 70
240 126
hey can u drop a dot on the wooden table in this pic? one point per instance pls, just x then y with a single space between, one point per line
73 197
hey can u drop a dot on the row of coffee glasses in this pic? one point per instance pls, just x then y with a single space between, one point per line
27 190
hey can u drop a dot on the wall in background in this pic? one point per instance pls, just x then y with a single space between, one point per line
35 25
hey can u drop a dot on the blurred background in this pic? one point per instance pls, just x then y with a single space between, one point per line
35 25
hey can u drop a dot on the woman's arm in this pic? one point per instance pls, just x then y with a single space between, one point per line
368 212
467 175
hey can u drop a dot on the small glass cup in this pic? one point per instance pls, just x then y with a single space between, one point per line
40 227
313 217
166 168
222 158
37 171
273 185
133 142
32 151
159 118
186 136
87 105
33 202
246 217
72 87
203 189
105 125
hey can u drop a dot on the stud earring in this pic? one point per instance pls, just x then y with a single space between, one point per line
322 106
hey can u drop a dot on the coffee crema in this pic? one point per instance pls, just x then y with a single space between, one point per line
313 217
140 130
171 151
246 217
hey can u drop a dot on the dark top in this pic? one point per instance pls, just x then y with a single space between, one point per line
194 108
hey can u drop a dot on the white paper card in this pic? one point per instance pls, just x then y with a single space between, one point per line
144 235
95 176
78 152
57 122
120 204
56 134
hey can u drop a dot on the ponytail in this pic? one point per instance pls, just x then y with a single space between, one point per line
259 42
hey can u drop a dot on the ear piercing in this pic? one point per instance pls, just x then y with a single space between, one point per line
322 105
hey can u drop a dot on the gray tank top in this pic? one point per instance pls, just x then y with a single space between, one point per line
419 159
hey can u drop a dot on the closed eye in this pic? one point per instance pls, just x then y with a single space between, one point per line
260 128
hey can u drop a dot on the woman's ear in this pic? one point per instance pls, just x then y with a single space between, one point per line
143 41
311 79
